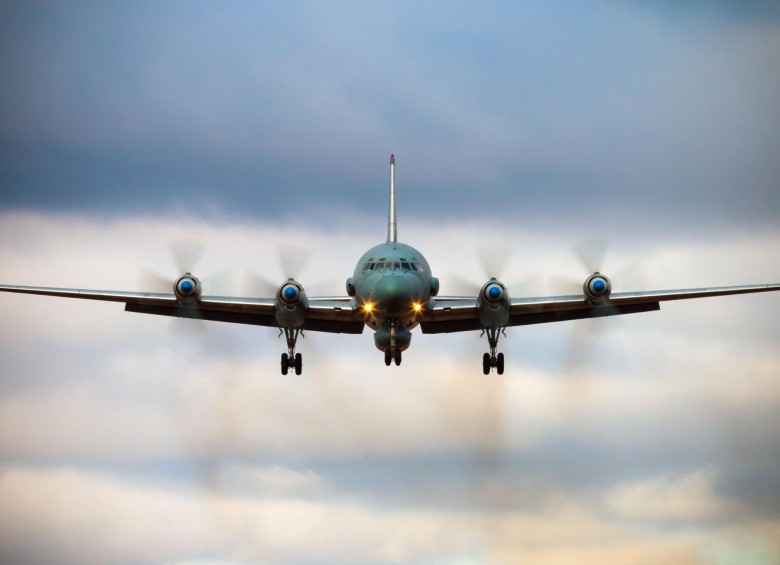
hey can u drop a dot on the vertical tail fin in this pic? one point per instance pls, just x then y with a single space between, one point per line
392 228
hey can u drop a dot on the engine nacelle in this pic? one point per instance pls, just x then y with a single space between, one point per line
597 288
493 304
187 289
291 305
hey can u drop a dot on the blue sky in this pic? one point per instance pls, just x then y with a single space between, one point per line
557 110
129 439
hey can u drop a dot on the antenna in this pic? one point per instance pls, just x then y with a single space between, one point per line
392 229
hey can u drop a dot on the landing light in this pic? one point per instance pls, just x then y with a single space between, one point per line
417 307
368 307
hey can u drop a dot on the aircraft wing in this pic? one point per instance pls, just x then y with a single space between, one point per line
331 314
457 314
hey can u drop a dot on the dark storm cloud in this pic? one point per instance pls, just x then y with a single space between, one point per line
557 110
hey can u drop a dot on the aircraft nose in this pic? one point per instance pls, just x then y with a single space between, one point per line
392 295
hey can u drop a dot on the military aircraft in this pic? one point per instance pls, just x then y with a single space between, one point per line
392 291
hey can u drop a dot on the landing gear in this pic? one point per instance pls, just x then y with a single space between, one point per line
393 353
493 359
291 359
392 357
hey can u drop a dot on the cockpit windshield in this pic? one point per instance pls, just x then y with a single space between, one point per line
384 264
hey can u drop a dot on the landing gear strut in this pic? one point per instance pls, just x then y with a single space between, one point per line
291 359
493 359
393 353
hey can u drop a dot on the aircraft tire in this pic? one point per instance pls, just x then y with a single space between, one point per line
388 357
500 364
285 363
486 363
298 363
397 357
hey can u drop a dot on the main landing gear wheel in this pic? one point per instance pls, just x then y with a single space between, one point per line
291 359
397 357
493 359
294 362
388 357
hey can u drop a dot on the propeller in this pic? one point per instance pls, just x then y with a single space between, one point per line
591 255
150 281
293 259
253 284
186 254
586 334
493 259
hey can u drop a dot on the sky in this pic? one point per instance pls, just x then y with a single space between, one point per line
252 127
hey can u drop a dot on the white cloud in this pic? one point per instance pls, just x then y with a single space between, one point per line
686 499
353 461
75 516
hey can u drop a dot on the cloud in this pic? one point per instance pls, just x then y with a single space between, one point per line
164 523
667 419
93 519
683 499
753 12
648 438
539 113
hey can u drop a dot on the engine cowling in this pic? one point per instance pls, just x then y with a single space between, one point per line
187 289
290 292
493 291
597 288
291 305
493 304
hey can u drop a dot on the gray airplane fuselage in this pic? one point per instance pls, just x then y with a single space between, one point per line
392 282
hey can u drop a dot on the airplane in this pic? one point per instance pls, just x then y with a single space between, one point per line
392 291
